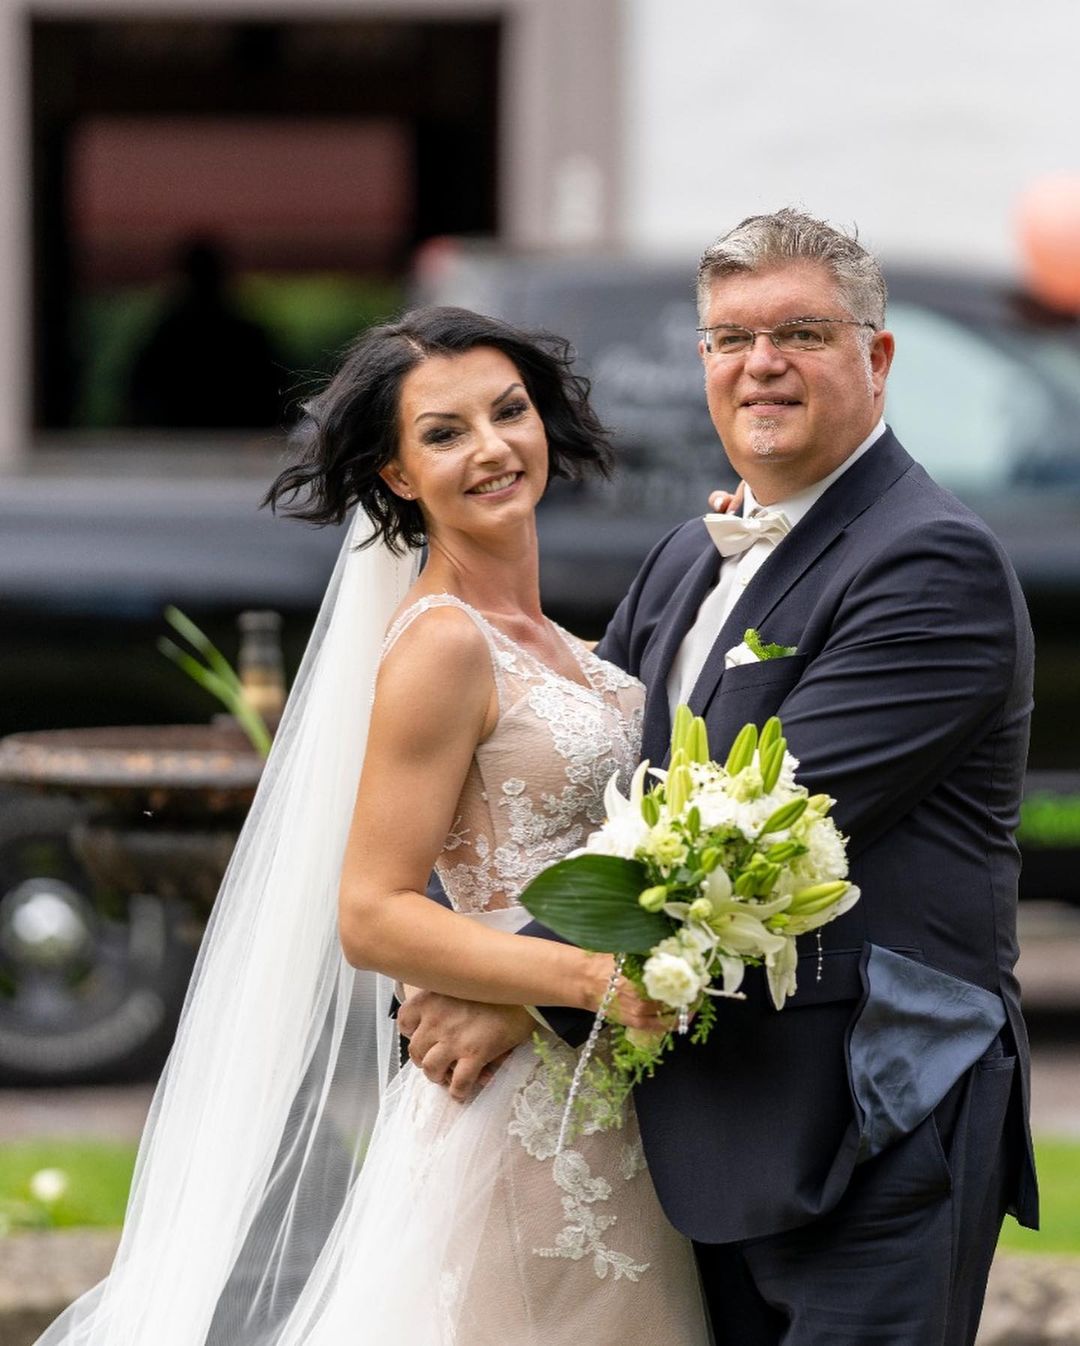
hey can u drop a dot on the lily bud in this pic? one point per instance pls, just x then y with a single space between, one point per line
680 729
809 901
783 851
678 787
770 733
650 809
653 899
772 760
742 750
746 883
698 747
820 804
784 817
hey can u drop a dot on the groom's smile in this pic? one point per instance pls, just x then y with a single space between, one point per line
788 416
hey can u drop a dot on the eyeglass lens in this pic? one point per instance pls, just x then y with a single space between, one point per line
787 336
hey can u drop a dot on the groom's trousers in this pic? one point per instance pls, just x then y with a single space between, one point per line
903 1259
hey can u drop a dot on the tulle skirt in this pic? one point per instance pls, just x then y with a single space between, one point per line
464 1230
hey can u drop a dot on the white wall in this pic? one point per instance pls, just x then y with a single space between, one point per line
920 121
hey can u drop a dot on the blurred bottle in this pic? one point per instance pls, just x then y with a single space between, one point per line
261 665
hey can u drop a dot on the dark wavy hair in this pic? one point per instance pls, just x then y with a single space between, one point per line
351 429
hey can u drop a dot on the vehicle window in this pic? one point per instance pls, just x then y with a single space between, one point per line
970 411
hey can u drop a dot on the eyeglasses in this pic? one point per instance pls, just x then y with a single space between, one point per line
801 334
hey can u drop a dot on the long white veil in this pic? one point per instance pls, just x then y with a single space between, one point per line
259 1122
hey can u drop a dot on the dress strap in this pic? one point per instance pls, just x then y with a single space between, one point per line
416 610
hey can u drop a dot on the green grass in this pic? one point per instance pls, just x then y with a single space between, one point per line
1059 1192
97 1175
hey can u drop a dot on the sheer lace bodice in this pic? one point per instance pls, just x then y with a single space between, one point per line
572 736
466 1230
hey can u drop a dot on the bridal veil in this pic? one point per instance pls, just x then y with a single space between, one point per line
259 1122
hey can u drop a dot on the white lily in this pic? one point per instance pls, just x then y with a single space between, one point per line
739 930
625 829
717 886
780 972
732 969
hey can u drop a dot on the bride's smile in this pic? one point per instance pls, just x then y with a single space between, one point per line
473 452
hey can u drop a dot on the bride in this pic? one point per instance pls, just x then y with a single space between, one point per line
293 1185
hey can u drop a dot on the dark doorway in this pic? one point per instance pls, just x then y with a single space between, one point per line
310 157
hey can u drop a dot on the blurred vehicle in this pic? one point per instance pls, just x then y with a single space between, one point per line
985 391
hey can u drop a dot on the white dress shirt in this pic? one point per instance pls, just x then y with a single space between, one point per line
736 572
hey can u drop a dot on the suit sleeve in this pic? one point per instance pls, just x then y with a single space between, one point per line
920 664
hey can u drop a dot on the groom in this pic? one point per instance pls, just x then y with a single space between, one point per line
844 1165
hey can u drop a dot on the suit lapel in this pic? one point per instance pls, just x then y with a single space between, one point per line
847 498
658 658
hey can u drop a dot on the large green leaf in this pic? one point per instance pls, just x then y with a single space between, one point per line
592 900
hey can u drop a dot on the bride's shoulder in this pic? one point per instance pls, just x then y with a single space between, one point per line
438 632
435 666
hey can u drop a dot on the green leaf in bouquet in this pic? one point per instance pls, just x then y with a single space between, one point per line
742 750
592 901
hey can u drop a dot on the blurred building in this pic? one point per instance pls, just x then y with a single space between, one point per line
318 145
314 148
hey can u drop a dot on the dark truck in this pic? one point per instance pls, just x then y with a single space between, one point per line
93 544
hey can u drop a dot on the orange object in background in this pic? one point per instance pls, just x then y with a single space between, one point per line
1048 222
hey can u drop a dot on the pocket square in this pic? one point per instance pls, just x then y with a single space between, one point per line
752 650
740 654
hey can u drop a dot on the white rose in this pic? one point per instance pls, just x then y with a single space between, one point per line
672 980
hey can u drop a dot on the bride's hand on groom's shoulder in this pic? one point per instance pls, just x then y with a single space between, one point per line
459 1043
727 502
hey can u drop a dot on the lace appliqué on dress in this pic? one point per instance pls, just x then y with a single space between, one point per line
583 1233
537 1116
573 736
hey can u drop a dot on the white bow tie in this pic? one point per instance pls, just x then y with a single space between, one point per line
733 534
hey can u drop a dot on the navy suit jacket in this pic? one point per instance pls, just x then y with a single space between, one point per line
908 700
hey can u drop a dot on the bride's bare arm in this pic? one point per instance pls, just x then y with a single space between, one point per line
434 701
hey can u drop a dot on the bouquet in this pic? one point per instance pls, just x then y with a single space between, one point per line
714 868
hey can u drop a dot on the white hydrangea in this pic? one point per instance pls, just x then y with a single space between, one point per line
825 860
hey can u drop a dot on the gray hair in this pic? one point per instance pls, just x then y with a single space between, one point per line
763 241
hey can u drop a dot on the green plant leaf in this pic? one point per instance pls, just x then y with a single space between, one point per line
199 640
227 691
754 643
592 900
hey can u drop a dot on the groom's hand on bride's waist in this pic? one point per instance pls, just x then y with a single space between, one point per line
458 1043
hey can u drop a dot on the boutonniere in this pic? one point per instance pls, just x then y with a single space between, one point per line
753 650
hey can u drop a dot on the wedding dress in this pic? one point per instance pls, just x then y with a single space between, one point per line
462 1230
294 1187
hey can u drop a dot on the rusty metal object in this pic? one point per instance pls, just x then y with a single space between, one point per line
178 770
